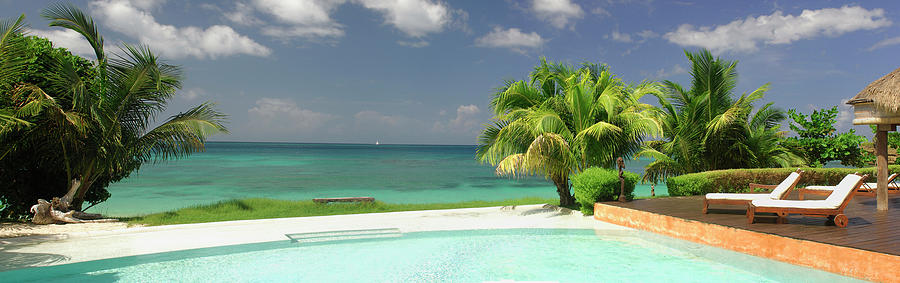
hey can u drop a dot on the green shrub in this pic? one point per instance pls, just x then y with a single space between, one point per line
738 180
600 184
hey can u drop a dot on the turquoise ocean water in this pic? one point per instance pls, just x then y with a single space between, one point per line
293 171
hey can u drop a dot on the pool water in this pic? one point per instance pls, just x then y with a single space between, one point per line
563 255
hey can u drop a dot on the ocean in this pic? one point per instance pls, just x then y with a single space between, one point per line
296 171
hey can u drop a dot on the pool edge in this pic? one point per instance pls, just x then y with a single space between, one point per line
857 263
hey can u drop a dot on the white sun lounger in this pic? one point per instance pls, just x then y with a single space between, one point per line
867 189
780 191
831 207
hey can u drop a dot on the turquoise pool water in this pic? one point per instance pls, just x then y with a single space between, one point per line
561 255
390 173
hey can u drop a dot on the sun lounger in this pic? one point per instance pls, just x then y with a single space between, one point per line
779 191
831 207
867 189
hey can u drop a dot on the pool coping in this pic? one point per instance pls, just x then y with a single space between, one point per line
857 263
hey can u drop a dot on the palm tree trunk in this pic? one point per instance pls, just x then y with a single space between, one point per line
74 198
562 188
79 195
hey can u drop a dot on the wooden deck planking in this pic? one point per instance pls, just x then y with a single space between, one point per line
867 229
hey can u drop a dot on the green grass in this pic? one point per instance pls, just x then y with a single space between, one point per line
259 208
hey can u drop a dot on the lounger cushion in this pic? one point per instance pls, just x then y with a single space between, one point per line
724 196
782 189
777 193
843 190
819 188
812 204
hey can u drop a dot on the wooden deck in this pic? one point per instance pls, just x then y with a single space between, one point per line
867 229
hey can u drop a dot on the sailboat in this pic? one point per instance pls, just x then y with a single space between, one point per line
377 143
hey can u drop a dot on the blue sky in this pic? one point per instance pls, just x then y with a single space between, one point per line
422 71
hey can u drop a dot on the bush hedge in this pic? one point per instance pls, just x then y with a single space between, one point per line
738 180
600 184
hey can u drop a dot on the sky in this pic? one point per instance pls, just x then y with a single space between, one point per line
423 71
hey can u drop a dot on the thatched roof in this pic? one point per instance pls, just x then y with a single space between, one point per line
883 92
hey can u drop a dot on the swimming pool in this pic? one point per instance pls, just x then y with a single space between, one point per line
565 255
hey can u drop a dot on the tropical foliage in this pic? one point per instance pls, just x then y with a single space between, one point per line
819 143
706 127
88 122
563 120
893 141
737 180
601 184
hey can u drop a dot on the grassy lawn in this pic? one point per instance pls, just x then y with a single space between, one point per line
258 208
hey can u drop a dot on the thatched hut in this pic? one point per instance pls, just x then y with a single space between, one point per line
879 104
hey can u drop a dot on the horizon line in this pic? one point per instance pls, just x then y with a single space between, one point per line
344 143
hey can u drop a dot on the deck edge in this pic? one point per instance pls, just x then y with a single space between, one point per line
847 261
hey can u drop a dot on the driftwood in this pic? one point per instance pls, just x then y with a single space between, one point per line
48 213
351 199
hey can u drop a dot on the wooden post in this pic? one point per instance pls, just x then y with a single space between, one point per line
881 165
621 163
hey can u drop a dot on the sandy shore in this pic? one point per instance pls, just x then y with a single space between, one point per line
10 230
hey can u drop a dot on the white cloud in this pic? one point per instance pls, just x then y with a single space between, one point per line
413 44
310 19
845 116
309 32
171 41
620 37
777 28
68 39
147 4
300 12
559 13
601 12
283 114
644 35
466 121
374 117
512 38
191 94
665 73
415 18
647 34
885 43
243 15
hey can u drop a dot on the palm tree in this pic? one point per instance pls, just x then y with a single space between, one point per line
11 44
103 128
730 133
564 120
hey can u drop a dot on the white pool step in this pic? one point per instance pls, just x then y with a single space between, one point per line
340 235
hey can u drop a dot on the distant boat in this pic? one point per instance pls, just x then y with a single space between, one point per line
377 143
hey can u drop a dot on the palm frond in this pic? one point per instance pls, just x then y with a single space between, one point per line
549 154
71 17
12 51
181 135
